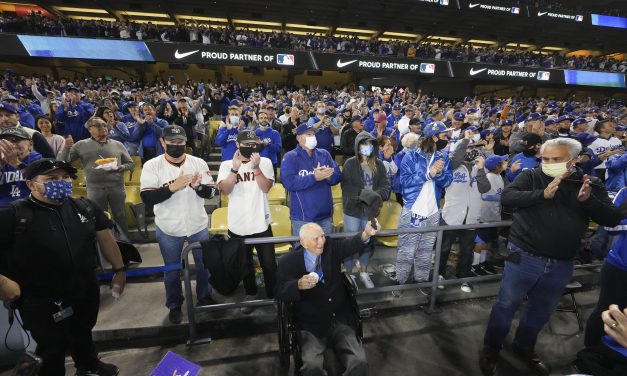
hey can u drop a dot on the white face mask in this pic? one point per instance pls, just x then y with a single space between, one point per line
321 110
311 142
234 120
555 169
476 138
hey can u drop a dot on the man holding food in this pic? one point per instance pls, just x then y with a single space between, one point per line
104 161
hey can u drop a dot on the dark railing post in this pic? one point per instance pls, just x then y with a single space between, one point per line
436 274
189 300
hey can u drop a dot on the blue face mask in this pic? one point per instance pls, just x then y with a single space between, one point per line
366 150
58 190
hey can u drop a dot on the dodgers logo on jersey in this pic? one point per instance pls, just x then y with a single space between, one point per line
459 177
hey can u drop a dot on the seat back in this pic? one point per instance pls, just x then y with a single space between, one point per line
219 221
277 195
388 219
336 193
338 217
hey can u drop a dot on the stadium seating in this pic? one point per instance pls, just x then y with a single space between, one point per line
219 223
277 195
338 217
136 210
336 193
281 226
388 219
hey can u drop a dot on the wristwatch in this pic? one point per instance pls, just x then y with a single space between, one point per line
234 171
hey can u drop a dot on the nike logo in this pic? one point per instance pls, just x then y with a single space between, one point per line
180 56
342 65
540 14
471 5
473 71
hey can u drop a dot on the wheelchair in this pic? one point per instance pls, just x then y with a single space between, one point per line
288 339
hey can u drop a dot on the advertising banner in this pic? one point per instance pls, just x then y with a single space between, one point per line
557 15
492 6
477 71
380 64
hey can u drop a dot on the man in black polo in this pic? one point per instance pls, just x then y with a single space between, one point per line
48 248
311 277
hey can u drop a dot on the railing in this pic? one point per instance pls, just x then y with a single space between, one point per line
192 310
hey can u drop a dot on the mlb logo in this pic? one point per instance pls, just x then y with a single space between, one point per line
515 10
427 68
544 76
443 2
578 18
285 59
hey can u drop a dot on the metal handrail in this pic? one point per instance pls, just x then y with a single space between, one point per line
433 284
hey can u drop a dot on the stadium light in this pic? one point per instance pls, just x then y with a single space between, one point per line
450 39
301 26
360 31
553 48
200 18
92 18
143 14
362 37
263 23
480 41
81 10
154 22
404 35
521 45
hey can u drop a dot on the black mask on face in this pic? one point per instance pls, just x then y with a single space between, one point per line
565 130
247 151
441 144
529 152
175 151
471 155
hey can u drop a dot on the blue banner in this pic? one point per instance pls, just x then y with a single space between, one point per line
609 21
587 78
85 48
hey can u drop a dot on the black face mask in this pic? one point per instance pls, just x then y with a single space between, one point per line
441 144
247 151
175 151
471 155
565 130
529 152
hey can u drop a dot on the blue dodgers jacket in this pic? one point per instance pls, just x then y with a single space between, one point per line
324 136
396 179
74 118
227 139
414 172
273 149
525 163
618 254
148 135
616 172
310 200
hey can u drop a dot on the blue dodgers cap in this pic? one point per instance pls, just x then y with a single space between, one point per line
585 138
494 160
548 122
473 128
579 121
304 127
435 128
234 103
506 122
8 107
459 116
621 127
471 111
493 112
248 109
397 106
534 116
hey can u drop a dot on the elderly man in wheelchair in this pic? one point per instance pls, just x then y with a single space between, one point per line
317 306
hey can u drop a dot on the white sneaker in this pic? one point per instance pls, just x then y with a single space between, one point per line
466 287
440 279
365 278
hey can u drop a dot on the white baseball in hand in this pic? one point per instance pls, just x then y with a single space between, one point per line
313 277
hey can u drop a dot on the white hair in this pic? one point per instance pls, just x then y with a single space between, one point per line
410 139
306 228
574 146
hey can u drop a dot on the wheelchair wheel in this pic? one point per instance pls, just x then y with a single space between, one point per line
284 335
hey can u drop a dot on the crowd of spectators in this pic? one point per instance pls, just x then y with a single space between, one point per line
195 33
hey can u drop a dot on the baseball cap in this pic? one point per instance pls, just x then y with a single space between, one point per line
579 121
534 116
410 108
473 128
493 161
246 136
435 128
8 107
15 132
9 98
355 118
414 121
234 103
471 111
548 122
304 127
459 116
174 132
506 122
493 111
396 106
380 117
131 104
585 138
531 139
45 166
248 109
69 87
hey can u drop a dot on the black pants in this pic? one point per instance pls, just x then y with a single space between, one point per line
149 153
267 259
613 291
399 198
73 333
466 247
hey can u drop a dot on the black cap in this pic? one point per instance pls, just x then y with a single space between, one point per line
246 136
355 118
174 132
532 139
414 121
45 166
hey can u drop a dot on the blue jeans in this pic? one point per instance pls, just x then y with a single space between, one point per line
324 223
354 224
540 279
171 248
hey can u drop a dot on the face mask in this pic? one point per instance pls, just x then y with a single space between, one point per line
555 169
175 151
441 144
311 142
471 155
247 151
321 110
366 150
234 120
565 130
529 152
476 137
58 190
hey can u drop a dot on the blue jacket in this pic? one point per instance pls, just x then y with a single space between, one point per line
33 108
148 135
12 183
369 123
616 172
310 200
618 254
324 136
525 163
273 149
27 120
74 118
396 179
390 126
120 133
227 138
414 172
588 167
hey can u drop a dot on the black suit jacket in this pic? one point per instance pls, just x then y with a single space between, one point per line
316 308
